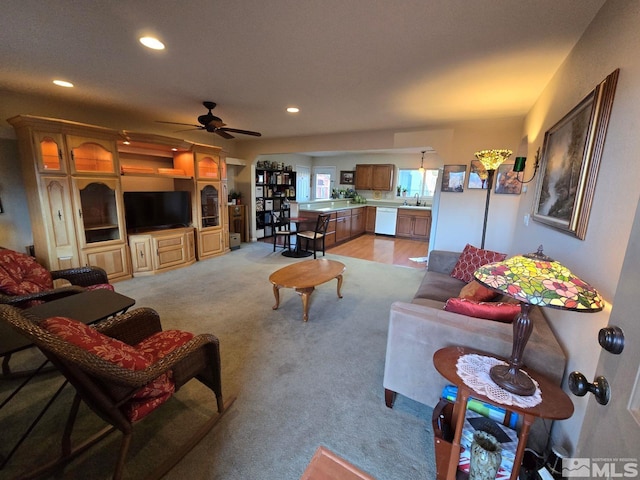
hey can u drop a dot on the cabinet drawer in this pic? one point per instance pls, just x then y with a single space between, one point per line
171 242
343 213
171 257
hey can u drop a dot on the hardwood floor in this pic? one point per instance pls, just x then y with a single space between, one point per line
383 249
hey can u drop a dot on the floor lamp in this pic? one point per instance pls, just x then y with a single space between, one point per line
490 160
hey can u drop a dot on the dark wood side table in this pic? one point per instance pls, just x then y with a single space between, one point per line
555 405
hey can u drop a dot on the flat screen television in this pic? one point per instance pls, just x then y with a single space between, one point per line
147 211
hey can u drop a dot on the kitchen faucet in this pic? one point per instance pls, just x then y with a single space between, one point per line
417 195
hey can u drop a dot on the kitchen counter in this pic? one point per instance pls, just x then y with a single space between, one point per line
338 205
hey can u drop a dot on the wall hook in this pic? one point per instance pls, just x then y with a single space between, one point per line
580 386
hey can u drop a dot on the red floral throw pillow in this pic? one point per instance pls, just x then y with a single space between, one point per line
474 290
471 258
501 312
89 339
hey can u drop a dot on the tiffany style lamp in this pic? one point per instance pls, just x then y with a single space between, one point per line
533 279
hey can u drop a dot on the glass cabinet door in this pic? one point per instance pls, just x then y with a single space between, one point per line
91 155
98 211
208 166
210 206
49 152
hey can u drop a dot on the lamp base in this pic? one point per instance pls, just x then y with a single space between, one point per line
512 380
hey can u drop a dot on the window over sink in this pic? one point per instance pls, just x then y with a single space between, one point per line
414 181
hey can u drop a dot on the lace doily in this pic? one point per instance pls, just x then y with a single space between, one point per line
474 369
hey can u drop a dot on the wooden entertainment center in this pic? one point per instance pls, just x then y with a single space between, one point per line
77 175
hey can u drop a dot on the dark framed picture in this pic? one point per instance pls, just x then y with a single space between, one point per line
453 178
347 178
570 161
508 181
477 175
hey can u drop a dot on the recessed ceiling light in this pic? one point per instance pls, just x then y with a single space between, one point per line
152 42
293 109
63 83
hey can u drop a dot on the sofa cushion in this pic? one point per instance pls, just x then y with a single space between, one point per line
438 286
476 291
471 259
501 312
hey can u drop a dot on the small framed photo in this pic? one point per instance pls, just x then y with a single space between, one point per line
477 175
347 178
453 178
507 181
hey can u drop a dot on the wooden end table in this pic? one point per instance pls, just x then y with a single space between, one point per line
555 405
326 465
303 277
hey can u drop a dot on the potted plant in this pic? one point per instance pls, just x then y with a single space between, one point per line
404 192
398 190
235 197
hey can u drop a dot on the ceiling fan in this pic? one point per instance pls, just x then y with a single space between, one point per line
213 124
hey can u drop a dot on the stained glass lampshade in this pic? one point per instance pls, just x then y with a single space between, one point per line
533 279
492 159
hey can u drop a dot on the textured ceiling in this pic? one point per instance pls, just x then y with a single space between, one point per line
350 65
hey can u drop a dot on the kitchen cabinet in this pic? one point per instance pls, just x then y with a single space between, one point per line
414 224
370 222
374 177
358 218
343 225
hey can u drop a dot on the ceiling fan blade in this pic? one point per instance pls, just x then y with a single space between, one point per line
244 132
176 123
223 134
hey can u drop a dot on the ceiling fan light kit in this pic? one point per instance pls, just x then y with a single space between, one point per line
213 124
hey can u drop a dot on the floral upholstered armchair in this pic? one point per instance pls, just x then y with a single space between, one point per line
123 369
24 282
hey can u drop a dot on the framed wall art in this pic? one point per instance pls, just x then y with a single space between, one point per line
453 178
347 178
507 181
476 172
570 161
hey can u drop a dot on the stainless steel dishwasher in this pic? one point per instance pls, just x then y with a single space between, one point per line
386 220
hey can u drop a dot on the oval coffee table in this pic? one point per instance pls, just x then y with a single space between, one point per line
303 277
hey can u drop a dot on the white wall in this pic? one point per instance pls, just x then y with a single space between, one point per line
610 42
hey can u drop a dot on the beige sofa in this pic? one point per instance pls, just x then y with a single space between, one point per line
420 328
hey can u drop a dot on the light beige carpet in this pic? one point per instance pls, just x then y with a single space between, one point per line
298 385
